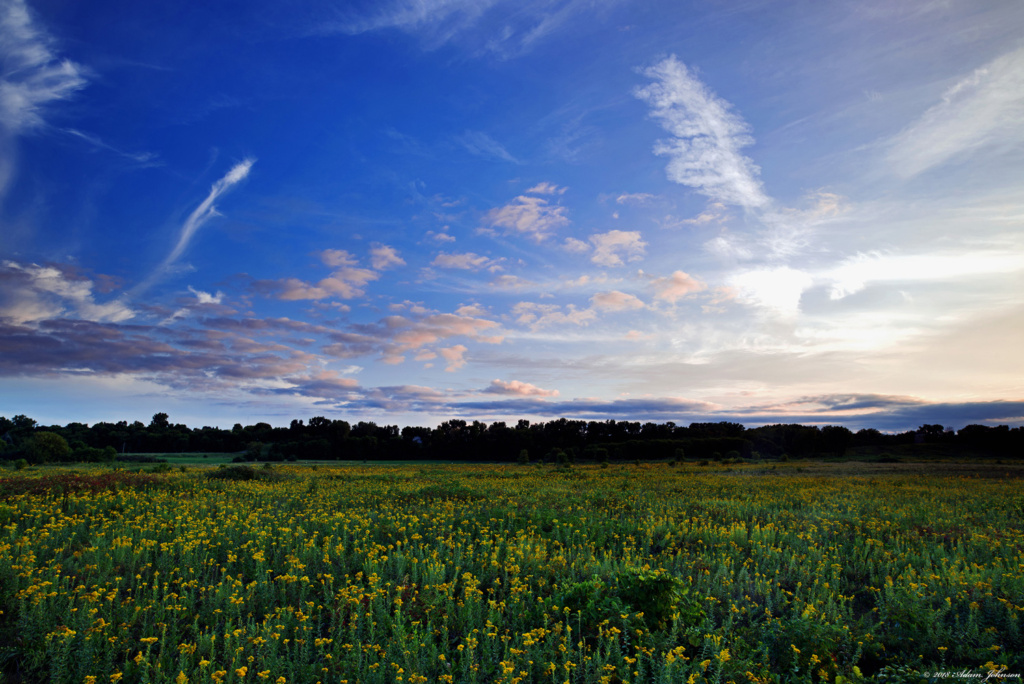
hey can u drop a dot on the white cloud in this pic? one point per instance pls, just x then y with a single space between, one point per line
33 76
676 286
203 213
468 261
33 293
704 153
981 112
774 290
854 274
206 297
577 246
616 301
383 256
482 145
531 216
638 198
611 247
545 188
441 235
518 389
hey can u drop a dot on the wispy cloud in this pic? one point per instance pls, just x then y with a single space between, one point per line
503 27
468 261
199 216
482 145
981 112
146 158
538 316
637 198
33 76
546 188
704 152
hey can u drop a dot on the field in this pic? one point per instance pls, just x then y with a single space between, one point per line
792 572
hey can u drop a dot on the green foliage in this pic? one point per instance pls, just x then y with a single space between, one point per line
524 457
20 464
45 447
658 594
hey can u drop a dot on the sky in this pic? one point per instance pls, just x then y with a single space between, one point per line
409 211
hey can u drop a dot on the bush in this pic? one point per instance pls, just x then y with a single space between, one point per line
44 447
20 464
524 457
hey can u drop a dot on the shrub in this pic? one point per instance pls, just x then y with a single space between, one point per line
524 457
20 464
44 447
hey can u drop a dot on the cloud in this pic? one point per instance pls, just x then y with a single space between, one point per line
31 293
545 188
511 282
854 274
483 145
775 290
574 245
188 360
441 236
518 389
616 301
202 299
502 27
704 152
346 281
636 198
144 158
33 76
203 213
611 247
539 316
206 297
676 286
530 216
326 384
455 356
383 256
468 261
982 111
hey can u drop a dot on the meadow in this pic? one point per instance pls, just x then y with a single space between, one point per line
511 574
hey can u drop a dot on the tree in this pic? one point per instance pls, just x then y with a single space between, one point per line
160 421
44 447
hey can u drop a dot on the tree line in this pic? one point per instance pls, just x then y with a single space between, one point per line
561 440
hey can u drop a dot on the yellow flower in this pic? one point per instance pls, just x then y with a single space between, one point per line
90 679
181 678
281 680
149 640
116 677
263 675
240 672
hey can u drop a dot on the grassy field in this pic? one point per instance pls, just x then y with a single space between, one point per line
789 572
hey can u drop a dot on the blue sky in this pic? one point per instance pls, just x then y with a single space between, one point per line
410 211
